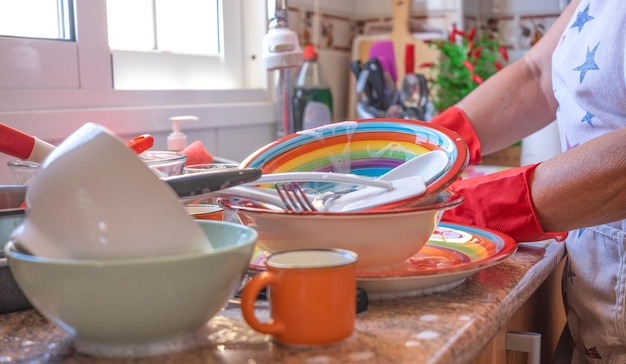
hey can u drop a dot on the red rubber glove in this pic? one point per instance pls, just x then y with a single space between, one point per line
501 201
455 119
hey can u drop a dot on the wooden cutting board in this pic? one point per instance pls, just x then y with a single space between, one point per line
400 35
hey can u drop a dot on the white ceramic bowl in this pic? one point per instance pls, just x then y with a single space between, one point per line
140 306
93 198
379 237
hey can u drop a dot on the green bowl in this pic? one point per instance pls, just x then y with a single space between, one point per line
139 306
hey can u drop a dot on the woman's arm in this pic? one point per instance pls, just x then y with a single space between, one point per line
584 186
517 100
581 187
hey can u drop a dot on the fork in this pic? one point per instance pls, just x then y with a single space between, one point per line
294 198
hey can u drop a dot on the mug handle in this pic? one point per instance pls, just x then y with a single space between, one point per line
248 297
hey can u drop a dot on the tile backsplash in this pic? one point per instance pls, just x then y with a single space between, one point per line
332 25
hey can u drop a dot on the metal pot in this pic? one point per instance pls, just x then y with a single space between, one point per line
11 215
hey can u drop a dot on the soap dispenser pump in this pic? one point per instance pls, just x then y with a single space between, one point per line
177 140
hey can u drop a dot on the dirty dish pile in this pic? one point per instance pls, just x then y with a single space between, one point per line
368 148
382 232
104 237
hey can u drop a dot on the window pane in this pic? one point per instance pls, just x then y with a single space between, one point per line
187 26
35 18
131 25
180 26
189 50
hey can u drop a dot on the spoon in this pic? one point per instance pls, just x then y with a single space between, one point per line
429 166
324 177
409 178
368 197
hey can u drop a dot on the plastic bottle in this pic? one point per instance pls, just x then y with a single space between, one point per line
312 99
177 140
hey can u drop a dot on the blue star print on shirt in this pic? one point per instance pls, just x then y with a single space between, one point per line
582 18
590 63
587 118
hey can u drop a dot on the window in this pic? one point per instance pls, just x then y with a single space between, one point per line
149 44
178 26
51 20
56 85
180 40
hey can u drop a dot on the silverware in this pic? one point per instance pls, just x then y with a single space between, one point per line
195 186
330 177
293 198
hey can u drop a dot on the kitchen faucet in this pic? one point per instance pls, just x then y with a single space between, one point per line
281 52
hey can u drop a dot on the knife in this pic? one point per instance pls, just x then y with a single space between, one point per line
193 186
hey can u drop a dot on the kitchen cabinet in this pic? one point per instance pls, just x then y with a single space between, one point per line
541 314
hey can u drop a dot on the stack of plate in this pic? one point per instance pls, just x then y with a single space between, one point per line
364 147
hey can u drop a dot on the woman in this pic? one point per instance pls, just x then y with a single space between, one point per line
576 75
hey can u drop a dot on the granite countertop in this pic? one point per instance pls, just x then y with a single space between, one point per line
446 327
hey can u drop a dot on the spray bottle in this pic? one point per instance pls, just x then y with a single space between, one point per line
312 99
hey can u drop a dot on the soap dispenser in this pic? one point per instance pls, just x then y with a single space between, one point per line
177 140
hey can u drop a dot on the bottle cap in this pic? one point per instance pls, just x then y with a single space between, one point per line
177 140
309 54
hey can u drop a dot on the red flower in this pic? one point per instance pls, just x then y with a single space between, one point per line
469 66
498 65
477 52
504 53
471 33
470 48
452 36
454 32
477 79
426 64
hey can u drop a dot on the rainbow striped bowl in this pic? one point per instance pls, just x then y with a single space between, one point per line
364 147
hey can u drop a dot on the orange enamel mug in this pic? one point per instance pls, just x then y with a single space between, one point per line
311 296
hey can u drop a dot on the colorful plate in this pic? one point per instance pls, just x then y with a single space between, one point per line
364 147
453 253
